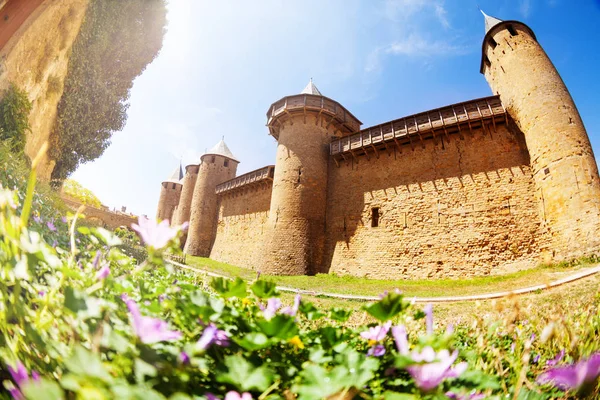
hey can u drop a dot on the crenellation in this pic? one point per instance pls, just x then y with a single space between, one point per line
487 186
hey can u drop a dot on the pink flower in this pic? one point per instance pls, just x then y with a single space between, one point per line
473 395
429 318
150 330
153 234
434 367
429 368
103 273
292 311
377 333
273 304
578 376
238 396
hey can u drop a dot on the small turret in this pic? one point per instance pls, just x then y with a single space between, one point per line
303 125
187 194
216 166
169 195
564 168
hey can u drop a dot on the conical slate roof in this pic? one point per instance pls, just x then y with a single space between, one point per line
221 149
311 89
490 22
176 176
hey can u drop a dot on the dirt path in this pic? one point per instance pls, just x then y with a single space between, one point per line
13 15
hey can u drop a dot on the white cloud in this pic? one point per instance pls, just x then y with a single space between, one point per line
396 10
413 46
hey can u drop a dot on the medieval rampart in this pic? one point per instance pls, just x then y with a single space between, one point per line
243 215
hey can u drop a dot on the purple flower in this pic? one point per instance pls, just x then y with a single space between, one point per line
103 273
377 333
292 311
150 330
376 351
153 234
473 395
184 358
41 293
238 396
578 376
429 368
556 359
210 396
536 359
429 318
273 304
19 374
96 259
212 335
64 219
161 298
399 334
21 378
51 226
37 219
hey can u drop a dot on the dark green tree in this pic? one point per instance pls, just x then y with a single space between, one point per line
14 117
118 39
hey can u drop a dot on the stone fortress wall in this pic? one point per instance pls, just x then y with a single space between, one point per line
488 186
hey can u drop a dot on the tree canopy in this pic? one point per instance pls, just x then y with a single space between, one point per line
118 39
14 117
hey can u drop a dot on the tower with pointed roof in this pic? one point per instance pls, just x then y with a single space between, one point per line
303 125
187 192
169 195
217 165
564 168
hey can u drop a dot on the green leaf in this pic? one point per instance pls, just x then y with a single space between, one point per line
388 307
85 363
44 389
264 289
143 369
228 288
244 376
254 341
107 237
399 396
74 301
280 326
310 311
318 383
339 314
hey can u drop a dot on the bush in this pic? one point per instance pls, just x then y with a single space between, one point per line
14 117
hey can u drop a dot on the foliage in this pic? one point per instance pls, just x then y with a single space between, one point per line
118 39
14 117
74 189
95 325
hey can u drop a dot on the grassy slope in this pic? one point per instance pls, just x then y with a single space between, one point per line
421 288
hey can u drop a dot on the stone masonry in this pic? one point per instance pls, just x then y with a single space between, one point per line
487 186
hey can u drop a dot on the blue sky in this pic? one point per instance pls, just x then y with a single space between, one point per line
224 62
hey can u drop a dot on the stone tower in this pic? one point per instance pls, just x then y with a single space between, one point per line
303 126
563 165
216 166
169 195
187 193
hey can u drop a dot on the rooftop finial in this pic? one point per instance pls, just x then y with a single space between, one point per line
311 89
490 22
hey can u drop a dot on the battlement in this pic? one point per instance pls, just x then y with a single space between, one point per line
302 103
249 179
454 118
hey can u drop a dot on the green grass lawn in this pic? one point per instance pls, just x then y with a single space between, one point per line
421 288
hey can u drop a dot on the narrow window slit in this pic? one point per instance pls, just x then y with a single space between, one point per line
375 217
